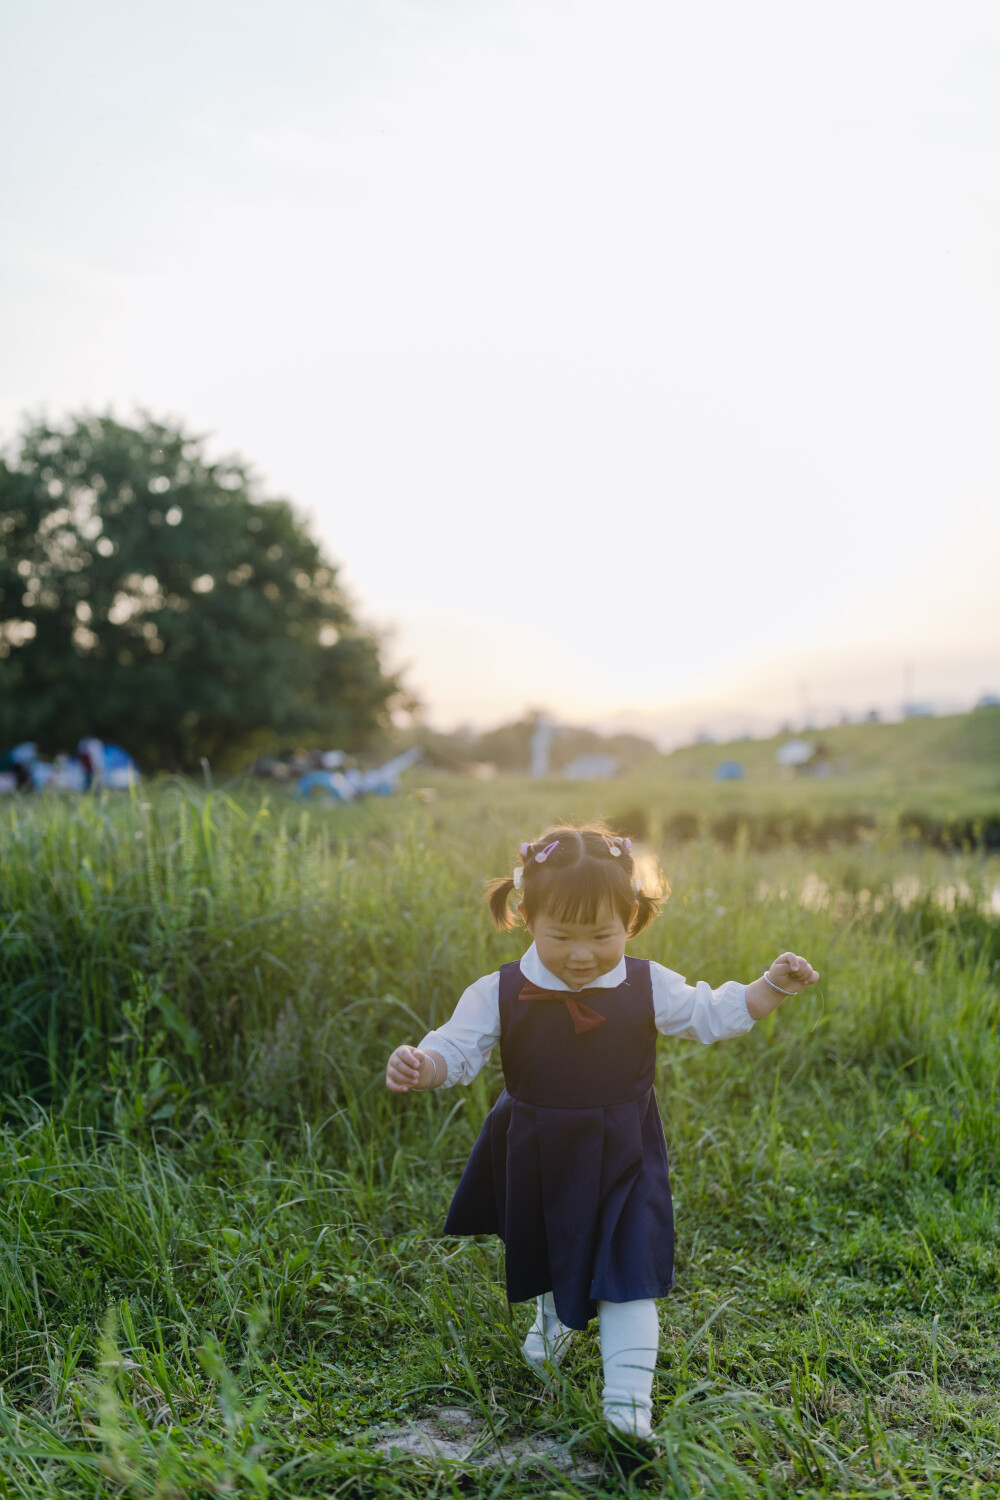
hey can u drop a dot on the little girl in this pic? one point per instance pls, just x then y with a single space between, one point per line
570 1168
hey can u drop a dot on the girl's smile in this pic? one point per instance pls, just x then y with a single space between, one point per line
579 952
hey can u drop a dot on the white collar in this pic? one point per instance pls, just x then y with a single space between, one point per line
533 969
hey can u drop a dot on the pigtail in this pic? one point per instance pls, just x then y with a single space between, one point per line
497 897
649 907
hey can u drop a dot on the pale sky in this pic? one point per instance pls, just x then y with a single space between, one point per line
637 360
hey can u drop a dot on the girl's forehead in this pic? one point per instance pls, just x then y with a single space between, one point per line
605 917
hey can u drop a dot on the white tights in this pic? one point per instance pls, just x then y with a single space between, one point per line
630 1336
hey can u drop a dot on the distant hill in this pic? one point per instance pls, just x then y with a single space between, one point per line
938 773
942 764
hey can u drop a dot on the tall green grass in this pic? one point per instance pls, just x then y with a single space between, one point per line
221 1263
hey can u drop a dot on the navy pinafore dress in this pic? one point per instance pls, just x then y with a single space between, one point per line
570 1168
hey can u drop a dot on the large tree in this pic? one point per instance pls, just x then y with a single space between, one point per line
149 596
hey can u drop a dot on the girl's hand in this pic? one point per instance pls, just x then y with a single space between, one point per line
403 1069
790 972
409 1068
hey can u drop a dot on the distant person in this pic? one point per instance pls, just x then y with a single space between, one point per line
18 763
90 752
570 1168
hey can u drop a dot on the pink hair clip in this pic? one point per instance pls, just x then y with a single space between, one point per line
612 846
543 855
524 850
628 846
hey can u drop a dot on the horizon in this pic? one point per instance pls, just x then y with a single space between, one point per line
725 735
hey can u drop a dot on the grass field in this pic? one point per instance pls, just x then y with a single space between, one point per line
221 1265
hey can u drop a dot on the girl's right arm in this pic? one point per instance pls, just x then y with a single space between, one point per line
455 1052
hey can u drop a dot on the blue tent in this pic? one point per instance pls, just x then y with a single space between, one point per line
729 770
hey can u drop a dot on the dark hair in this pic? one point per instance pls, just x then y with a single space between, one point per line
577 880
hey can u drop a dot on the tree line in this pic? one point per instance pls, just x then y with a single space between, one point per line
152 596
508 746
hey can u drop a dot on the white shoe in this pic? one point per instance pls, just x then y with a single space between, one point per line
547 1341
631 1421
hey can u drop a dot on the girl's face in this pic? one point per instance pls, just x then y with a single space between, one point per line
579 952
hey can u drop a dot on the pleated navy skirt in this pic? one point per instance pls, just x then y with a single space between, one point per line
570 1168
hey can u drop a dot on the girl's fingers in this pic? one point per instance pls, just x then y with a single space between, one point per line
796 968
403 1070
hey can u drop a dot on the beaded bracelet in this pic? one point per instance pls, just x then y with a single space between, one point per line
777 987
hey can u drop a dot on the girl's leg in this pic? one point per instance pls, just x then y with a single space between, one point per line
630 1336
548 1337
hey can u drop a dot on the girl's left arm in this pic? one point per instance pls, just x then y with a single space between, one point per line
696 1010
706 1015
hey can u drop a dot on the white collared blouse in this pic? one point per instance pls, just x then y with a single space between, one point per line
679 1009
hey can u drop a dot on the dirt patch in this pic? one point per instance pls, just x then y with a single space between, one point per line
454 1435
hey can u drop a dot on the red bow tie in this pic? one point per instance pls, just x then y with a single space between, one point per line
583 1017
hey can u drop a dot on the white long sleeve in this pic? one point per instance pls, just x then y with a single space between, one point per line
467 1039
696 1010
679 1009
